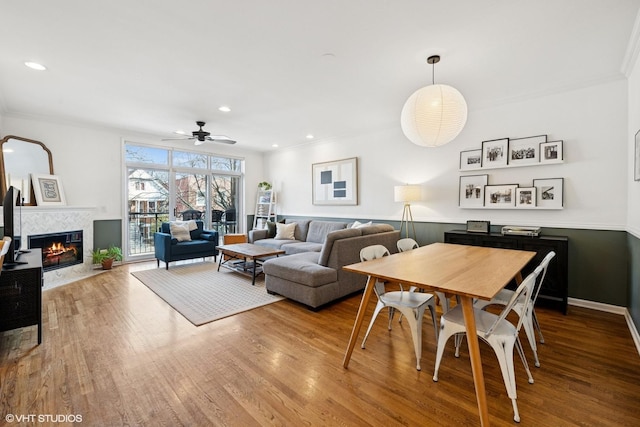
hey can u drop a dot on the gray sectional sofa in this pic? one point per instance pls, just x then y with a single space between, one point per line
311 272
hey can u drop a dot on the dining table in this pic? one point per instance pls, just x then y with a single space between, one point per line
463 271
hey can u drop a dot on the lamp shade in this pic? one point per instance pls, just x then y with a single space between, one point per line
407 193
434 115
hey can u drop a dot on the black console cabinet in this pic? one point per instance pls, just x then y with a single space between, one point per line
554 291
21 293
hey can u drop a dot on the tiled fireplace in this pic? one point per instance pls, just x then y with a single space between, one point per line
43 220
59 250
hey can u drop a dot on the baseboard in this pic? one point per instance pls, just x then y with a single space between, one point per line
611 309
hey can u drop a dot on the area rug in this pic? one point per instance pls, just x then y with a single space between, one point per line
202 294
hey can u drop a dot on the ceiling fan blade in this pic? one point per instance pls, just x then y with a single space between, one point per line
178 139
224 141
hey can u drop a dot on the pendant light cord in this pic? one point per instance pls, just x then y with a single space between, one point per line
433 73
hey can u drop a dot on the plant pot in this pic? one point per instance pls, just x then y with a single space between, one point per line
107 264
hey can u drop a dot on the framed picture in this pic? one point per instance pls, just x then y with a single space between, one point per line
48 190
471 159
494 152
551 152
636 174
472 191
549 193
524 151
500 196
525 197
336 182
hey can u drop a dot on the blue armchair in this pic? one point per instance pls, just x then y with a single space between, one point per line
203 243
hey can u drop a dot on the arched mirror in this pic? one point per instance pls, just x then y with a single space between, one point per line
19 158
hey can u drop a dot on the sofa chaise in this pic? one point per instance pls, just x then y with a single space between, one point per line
311 272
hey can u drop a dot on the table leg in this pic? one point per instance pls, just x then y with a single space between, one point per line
220 261
476 362
255 263
359 318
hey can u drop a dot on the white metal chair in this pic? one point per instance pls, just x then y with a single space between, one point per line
410 304
531 321
408 244
496 331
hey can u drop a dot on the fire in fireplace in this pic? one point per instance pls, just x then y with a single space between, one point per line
59 250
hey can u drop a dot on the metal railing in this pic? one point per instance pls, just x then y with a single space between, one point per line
142 225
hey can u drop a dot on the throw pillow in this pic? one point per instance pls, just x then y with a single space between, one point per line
180 231
271 229
358 224
285 231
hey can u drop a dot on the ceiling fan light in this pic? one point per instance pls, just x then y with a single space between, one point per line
434 115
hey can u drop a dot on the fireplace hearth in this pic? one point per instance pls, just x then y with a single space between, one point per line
59 250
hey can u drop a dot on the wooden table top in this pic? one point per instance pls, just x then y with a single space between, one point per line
472 271
249 250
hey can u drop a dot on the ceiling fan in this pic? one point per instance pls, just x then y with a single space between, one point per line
201 136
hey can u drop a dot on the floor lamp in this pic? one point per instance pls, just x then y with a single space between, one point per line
407 194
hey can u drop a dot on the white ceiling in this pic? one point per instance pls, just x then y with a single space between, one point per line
292 67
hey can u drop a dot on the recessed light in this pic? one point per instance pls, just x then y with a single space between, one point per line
35 66
309 136
275 145
224 109
180 132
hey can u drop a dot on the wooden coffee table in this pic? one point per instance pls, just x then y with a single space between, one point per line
246 258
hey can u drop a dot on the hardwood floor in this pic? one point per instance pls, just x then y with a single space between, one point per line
116 354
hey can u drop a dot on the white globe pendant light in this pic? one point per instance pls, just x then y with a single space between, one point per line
433 115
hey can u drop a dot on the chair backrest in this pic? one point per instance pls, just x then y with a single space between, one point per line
523 292
191 214
216 215
543 265
230 215
406 244
374 252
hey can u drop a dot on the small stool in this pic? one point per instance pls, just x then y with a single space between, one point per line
229 239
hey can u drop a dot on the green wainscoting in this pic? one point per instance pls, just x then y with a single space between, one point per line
633 245
107 232
598 260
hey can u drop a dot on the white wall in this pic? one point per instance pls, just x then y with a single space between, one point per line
592 122
633 194
89 160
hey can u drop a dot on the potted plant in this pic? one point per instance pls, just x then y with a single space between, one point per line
264 186
105 257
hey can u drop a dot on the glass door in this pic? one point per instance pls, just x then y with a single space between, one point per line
148 207
225 206
190 196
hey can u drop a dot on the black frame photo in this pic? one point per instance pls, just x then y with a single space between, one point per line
550 193
551 152
471 191
500 196
470 159
495 152
525 151
525 197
